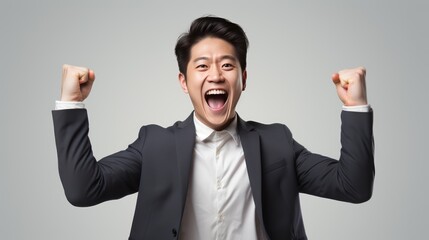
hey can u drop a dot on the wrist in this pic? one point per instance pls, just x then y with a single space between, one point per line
70 98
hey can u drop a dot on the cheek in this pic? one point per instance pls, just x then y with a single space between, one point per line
238 85
195 90
195 94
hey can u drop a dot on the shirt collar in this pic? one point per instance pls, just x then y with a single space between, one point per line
204 132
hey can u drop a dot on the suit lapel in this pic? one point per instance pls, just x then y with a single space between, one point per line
185 142
252 153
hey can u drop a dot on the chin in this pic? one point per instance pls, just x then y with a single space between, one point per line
220 122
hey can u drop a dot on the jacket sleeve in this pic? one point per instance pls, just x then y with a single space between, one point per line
349 179
87 182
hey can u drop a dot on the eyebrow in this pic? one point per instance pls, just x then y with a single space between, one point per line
229 57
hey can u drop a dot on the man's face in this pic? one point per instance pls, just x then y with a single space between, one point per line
214 80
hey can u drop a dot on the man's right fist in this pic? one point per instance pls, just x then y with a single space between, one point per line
76 83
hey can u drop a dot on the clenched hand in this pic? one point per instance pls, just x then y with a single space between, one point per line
76 83
351 87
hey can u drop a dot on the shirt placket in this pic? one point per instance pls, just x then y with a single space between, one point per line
220 139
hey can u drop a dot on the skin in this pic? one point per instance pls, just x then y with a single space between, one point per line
213 65
76 83
351 86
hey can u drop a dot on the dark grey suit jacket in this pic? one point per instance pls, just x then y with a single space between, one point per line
158 163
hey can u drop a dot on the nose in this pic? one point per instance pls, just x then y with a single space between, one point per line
215 75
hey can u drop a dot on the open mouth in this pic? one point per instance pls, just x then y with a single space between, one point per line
216 98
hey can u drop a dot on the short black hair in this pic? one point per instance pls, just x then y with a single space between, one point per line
211 26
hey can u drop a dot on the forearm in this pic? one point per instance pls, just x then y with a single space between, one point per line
349 179
88 182
78 168
356 165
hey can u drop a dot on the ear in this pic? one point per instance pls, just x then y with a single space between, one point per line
244 79
182 81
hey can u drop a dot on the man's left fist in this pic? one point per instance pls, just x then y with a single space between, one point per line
351 87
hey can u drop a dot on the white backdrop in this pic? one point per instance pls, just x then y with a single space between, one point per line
294 48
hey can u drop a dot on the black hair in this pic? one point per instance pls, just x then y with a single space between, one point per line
211 26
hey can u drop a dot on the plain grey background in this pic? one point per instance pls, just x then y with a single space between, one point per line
295 46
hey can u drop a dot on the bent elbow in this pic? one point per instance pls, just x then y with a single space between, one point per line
364 194
361 190
76 201
362 198
79 199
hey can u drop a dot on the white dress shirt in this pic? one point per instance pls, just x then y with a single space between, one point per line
219 204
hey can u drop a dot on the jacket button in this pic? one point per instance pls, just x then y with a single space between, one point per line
174 232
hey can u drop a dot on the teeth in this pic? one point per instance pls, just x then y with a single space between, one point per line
215 92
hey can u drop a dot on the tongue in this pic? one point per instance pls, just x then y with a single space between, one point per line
216 102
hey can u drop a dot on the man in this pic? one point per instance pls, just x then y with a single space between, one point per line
214 175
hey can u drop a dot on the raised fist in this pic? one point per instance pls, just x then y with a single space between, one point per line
76 83
351 87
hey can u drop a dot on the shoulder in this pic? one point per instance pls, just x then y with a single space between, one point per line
157 129
264 126
187 124
271 130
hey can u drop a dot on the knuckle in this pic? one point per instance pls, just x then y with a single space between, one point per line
66 67
359 73
361 70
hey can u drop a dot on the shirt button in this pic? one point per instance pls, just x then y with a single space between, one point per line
220 217
219 184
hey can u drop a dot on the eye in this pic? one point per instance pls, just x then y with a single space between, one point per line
202 66
227 66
